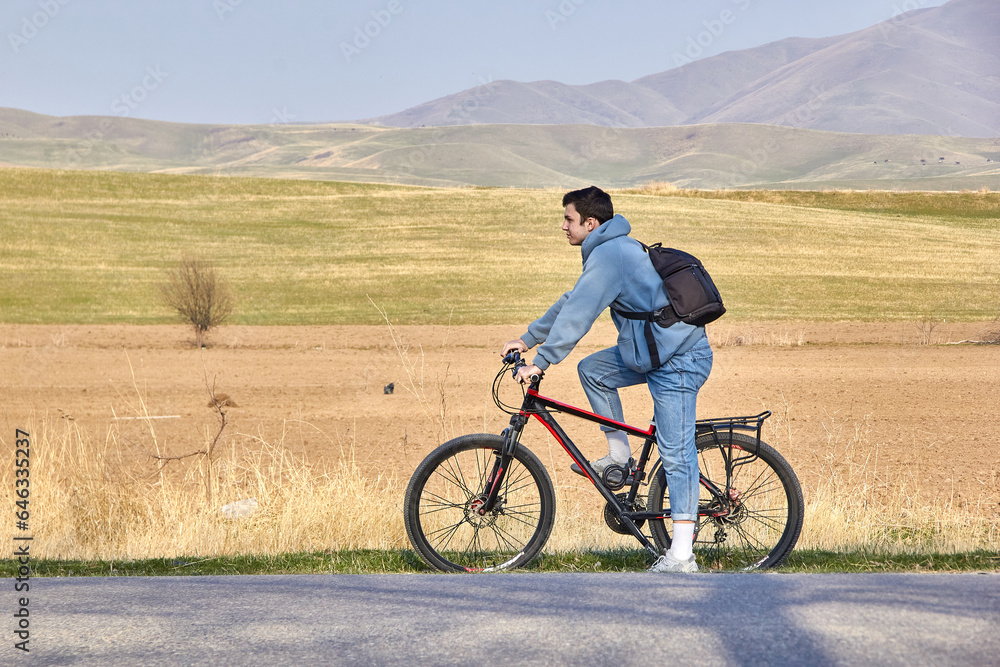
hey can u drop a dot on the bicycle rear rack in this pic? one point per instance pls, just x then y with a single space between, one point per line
729 425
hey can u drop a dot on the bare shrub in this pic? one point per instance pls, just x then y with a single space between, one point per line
218 402
926 327
199 294
659 187
727 336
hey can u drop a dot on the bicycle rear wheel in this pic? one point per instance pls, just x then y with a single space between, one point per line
758 518
448 488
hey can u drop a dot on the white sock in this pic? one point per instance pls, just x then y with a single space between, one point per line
682 540
618 446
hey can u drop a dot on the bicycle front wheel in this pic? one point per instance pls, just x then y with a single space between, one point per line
754 516
446 492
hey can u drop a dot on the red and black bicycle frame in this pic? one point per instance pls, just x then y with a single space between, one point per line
541 408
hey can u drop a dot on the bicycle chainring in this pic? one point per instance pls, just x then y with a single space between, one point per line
612 520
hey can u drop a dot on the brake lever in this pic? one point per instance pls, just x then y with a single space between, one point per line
513 357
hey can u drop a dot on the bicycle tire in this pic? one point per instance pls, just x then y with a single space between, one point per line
439 508
763 525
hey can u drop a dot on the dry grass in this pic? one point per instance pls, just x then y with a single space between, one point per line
658 188
981 203
728 335
93 499
860 504
991 334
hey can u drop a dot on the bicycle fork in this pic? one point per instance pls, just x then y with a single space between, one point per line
501 462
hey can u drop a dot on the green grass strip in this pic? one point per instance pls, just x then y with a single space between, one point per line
403 561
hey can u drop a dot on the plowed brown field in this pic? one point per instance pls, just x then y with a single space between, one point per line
928 415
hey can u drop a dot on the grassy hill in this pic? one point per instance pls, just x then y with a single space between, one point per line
562 156
91 247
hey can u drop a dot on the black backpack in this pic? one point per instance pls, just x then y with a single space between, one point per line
694 298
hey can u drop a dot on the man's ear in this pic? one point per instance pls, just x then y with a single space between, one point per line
591 224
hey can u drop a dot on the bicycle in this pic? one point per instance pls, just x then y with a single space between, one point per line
484 502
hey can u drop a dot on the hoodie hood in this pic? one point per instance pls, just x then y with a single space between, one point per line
611 229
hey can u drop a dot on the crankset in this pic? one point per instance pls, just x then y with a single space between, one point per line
611 518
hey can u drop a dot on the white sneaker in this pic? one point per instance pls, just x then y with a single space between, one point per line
667 563
599 465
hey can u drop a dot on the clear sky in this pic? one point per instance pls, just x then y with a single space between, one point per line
262 61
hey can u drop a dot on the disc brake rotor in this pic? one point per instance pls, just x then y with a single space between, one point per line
473 516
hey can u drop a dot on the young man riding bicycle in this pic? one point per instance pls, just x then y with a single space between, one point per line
618 273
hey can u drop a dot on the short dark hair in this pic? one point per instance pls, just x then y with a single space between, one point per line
591 202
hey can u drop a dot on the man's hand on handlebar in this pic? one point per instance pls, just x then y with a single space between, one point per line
517 344
525 373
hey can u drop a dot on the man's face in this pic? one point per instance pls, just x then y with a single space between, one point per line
575 228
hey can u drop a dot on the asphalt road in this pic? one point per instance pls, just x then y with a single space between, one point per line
529 618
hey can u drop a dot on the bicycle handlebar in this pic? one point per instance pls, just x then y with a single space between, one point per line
514 359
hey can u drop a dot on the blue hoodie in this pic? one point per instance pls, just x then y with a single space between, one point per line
616 272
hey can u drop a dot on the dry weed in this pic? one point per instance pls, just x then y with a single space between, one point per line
740 335
925 327
658 188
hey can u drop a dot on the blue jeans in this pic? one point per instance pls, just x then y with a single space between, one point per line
674 387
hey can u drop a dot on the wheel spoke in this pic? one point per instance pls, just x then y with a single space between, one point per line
775 524
451 531
456 476
511 544
530 521
441 500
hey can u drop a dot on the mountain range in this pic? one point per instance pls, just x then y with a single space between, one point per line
928 71
911 103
